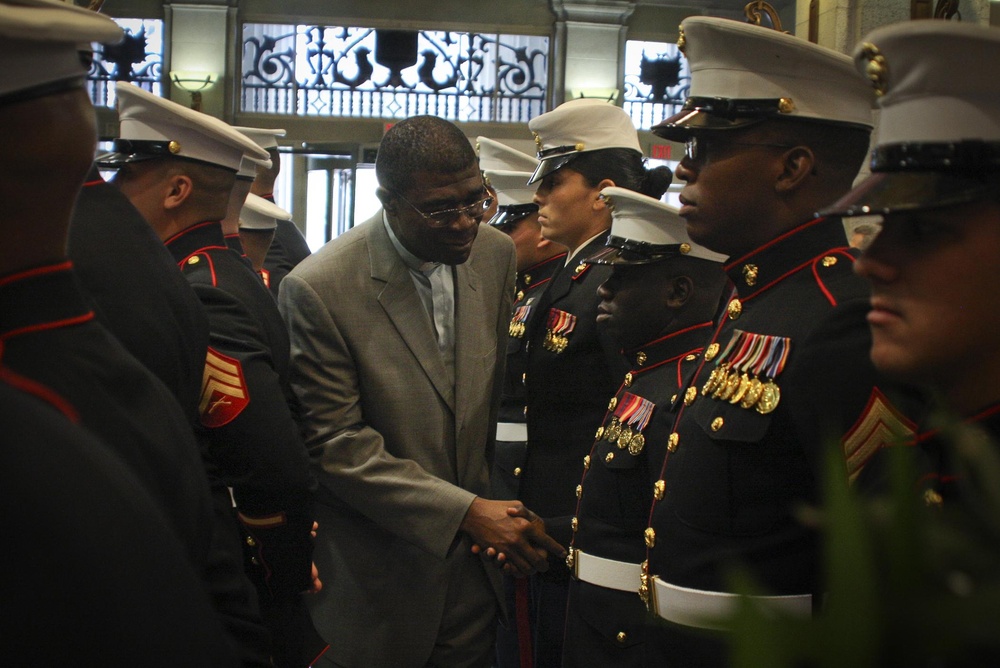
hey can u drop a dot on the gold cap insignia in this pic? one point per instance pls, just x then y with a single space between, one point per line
877 69
786 105
685 249
681 40
174 147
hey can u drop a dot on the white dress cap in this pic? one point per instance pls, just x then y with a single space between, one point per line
265 138
39 42
743 73
152 127
644 230
512 187
938 138
494 156
579 126
514 196
260 214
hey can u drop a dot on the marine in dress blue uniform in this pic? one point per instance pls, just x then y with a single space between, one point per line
659 304
573 367
288 247
507 171
785 374
932 265
52 346
246 405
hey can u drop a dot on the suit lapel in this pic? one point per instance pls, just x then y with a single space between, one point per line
469 313
402 305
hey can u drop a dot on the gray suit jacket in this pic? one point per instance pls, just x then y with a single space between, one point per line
400 451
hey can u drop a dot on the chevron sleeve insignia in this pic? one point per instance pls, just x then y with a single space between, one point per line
224 392
879 426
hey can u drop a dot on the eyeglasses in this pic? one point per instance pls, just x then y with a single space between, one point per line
446 217
696 147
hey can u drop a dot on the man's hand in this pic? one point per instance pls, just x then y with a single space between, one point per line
511 533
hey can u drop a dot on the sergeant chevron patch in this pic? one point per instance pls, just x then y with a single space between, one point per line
224 393
879 426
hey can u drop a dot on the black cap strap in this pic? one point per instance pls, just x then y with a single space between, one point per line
147 147
723 106
643 248
969 155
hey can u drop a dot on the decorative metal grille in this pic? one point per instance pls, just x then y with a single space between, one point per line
656 82
309 70
138 59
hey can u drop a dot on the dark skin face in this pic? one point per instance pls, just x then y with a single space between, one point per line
429 192
729 193
639 302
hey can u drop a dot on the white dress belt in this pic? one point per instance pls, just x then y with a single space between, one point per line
710 609
512 431
607 573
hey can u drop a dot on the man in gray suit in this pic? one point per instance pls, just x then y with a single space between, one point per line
398 331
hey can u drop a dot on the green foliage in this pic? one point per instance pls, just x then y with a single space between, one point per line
910 584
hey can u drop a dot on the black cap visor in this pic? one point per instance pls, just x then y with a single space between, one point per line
702 114
512 213
887 192
625 251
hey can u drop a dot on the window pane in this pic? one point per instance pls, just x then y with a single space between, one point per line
656 81
138 59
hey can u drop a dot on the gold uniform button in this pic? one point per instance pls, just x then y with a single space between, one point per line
174 147
690 395
524 378
672 441
580 267
621 637
673 398
612 403
599 434
829 261
717 424
586 462
609 457
659 488
517 472
574 524
579 491
640 358
734 309
628 379
193 260
712 351
520 295
932 499
254 561
691 357
650 536
251 542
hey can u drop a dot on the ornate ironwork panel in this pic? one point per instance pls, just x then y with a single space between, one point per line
138 59
656 82
309 70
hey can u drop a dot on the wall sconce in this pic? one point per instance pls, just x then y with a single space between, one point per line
194 83
608 94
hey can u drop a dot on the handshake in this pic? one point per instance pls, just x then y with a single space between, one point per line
511 534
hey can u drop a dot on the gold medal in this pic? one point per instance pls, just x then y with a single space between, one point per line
712 383
611 433
624 438
727 388
636 444
741 389
753 393
770 395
